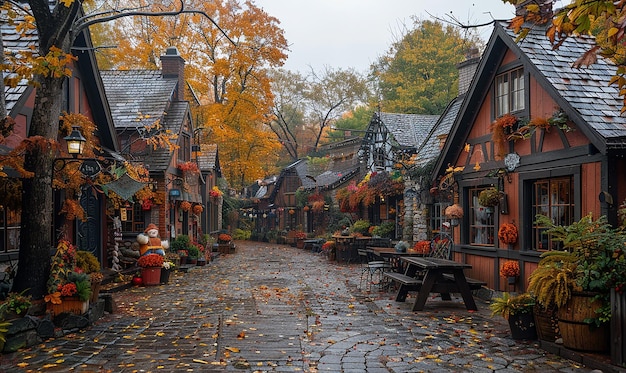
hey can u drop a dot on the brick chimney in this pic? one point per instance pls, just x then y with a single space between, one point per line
467 69
545 11
173 66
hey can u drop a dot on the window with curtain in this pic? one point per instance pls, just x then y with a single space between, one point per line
553 198
509 92
482 229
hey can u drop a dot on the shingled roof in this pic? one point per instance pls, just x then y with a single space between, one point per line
137 97
16 44
430 148
208 159
584 93
408 130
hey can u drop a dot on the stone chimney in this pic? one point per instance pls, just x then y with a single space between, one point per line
467 69
545 11
173 66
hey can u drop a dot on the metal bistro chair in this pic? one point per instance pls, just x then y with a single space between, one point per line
371 268
441 246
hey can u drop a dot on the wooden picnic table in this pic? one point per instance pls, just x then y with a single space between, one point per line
440 276
391 255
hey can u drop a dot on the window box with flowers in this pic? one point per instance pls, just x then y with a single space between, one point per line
215 192
190 167
151 265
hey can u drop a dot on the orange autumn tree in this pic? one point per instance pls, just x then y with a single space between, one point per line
46 66
229 75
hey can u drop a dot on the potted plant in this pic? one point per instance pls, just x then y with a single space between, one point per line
577 279
68 290
15 305
510 270
518 311
151 268
89 264
401 247
193 254
489 197
166 270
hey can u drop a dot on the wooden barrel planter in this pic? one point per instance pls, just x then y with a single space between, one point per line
618 328
546 322
576 333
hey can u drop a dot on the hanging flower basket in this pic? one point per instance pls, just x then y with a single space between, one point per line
185 205
197 209
454 212
510 268
489 197
508 233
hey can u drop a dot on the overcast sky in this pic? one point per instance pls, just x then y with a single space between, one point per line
354 33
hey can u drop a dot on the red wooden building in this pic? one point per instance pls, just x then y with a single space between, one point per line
562 157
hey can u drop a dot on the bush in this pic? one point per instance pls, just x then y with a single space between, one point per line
385 230
86 261
181 242
193 252
360 226
241 234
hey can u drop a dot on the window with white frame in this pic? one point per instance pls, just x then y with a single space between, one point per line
509 92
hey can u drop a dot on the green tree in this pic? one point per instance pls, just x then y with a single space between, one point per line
331 94
418 75
354 122
602 19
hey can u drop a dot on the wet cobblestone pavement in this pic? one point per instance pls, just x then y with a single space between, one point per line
274 308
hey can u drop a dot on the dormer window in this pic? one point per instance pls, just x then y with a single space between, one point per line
509 93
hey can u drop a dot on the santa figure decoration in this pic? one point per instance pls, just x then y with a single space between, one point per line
150 243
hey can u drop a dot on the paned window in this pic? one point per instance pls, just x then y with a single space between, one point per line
437 217
554 199
481 221
509 92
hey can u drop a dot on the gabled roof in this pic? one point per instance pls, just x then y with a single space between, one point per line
583 93
430 149
208 160
586 90
15 43
408 130
137 97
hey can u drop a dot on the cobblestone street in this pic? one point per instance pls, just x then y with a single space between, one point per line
274 308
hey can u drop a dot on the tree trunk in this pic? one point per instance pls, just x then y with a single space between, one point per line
35 234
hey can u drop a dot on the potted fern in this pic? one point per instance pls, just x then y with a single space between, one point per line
518 311
577 279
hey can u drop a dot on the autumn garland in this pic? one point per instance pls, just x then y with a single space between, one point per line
508 233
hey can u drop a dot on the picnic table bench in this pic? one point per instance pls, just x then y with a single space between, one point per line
441 276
